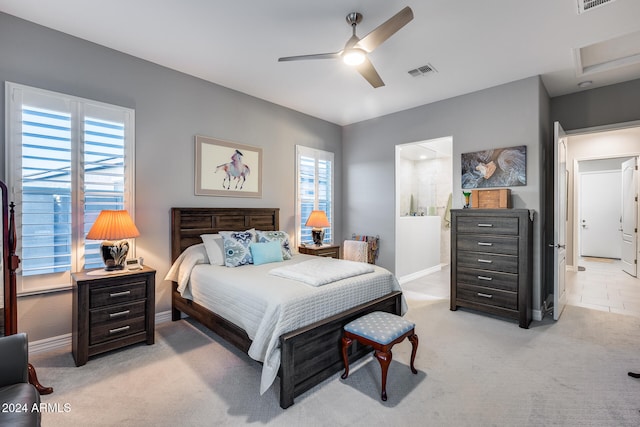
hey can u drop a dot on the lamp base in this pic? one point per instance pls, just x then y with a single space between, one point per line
114 254
317 234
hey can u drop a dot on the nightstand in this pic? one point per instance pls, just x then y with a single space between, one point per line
111 310
332 251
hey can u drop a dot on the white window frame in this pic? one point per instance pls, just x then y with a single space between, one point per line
316 154
78 107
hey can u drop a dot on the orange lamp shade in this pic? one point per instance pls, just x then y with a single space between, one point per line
113 225
317 219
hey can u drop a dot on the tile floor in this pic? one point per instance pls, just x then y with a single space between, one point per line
601 286
604 286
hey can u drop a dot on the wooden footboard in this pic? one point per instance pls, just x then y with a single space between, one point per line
309 355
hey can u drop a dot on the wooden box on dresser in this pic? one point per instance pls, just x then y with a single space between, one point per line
491 261
111 311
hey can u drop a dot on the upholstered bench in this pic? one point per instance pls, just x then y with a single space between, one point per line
381 331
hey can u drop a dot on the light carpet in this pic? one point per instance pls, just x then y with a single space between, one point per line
474 370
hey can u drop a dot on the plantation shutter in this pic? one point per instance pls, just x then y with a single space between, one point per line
314 189
70 158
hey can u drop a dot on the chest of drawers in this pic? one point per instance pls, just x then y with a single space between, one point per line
491 261
111 311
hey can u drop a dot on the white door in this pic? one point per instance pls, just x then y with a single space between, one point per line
559 221
600 205
629 219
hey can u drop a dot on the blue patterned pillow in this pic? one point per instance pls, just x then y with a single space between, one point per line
236 248
276 236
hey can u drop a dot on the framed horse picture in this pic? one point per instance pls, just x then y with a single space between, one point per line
225 168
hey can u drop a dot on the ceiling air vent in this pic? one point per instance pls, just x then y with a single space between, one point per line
587 5
421 71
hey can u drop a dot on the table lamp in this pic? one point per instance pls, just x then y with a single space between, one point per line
317 220
113 227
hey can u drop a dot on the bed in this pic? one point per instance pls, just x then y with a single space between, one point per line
307 355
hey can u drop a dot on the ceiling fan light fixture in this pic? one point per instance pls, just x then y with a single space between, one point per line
353 56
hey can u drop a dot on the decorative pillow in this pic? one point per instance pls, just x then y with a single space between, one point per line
267 252
215 248
276 236
236 247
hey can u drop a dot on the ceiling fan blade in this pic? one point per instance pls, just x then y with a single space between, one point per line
367 71
314 56
385 30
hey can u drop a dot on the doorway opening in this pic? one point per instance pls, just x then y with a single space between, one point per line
595 206
596 275
424 183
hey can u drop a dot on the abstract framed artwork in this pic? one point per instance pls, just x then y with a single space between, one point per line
225 168
499 167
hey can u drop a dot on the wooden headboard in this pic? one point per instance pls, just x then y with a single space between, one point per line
187 224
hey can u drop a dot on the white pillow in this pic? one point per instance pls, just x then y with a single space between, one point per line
215 248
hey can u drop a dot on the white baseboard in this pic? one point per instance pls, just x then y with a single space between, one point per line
62 341
48 344
419 274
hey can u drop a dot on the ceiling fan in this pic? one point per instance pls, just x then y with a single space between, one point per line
356 49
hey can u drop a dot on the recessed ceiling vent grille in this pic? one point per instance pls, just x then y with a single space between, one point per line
587 5
421 71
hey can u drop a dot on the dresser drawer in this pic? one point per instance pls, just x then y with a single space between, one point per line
116 313
484 243
488 225
487 261
488 279
488 296
117 329
117 294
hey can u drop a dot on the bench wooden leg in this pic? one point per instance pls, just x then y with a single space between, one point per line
346 342
385 359
414 348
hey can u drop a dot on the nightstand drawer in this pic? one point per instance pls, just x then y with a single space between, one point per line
486 261
117 294
488 296
116 313
111 311
116 330
493 244
488 225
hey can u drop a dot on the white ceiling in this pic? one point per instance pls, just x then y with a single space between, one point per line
472 44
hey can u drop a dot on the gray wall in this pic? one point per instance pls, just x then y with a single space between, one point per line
502 116
607 105
170 109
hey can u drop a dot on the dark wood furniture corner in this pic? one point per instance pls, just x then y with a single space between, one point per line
111 311
491 261
332 251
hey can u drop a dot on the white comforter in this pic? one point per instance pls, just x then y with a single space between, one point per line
266 306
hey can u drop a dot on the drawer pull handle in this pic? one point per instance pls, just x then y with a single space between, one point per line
485 261
119 314
480 294
485 225
484 244
117 330
485 278
120 294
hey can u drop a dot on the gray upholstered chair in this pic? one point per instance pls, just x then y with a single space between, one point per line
15 390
